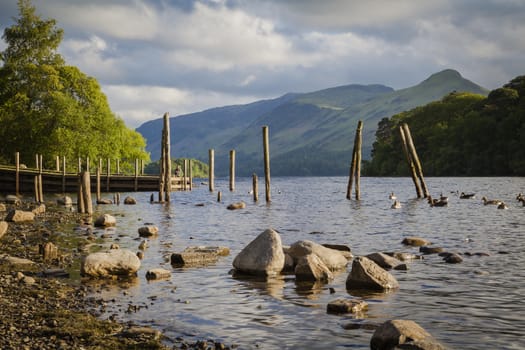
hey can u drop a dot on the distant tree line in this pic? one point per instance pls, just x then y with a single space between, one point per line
50 108
463 134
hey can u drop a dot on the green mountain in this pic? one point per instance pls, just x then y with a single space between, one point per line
310 134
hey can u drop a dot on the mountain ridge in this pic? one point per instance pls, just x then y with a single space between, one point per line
310 133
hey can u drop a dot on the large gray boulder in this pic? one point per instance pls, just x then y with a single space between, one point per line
408 334
366 274
115 262
333 259
262 256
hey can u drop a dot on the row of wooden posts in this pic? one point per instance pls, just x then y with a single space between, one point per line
355 166
165 169
255 180
416 171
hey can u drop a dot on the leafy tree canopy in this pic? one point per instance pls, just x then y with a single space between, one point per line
49 108
464 134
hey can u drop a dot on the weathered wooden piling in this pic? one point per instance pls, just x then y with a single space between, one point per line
108 168
255 189
17 173
355 166
410 162
219 196
190 175
98 185
266 150
64 174
211 169
232 170
167 155
415 159
86 189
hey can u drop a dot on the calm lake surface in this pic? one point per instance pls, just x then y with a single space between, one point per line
472 305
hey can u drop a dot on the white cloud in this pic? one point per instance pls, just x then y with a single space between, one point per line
138 104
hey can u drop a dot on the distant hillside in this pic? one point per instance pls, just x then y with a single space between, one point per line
451 135
310 134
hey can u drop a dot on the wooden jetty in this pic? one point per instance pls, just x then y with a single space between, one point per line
12 178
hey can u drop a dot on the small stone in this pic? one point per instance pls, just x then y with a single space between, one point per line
148 231
235 206
415 241
341 306
430 250
156 274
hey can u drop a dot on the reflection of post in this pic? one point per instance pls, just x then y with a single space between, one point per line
266 147
211 169
232 170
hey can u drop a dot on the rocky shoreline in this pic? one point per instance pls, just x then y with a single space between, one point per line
41 307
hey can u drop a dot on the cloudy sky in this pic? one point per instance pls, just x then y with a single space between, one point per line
182 56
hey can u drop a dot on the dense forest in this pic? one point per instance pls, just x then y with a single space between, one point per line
50 108
463 134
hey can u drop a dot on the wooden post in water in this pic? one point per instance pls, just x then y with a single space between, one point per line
86 189
232 170
40 185
80 194
409 161
162 169
98 184
355 166
190 174
219 196
63 174
17 173
79 165
415 159
118 166
87 164
266 149
185 176
136 184
211 169
57 163
167 154
108 168
255 189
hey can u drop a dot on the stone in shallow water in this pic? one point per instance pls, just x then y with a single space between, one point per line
343 306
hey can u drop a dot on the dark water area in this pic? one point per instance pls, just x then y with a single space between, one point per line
472 305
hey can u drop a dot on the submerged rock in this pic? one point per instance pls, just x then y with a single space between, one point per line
105 220
262 256
406 333
148 231
415 241
235 206
344 306
366 274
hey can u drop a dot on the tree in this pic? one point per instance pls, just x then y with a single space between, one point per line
50 108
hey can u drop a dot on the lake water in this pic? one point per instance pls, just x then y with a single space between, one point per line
475 304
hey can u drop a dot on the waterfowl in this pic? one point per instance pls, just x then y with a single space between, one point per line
520 197
442 197
464 195
392 196
396 205
437 202
490 201
502 205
